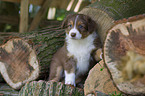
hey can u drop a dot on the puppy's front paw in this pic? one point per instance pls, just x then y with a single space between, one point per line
70 83
70 78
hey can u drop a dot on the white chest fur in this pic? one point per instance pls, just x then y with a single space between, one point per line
81 50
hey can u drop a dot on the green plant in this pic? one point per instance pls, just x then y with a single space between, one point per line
101 69
115 94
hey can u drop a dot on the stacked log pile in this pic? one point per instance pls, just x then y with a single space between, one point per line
119 32
124 55
27 57
99 79
119 37
6 90
43 88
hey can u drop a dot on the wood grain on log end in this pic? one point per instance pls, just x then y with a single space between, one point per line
132 66
120 39
99 80
18 63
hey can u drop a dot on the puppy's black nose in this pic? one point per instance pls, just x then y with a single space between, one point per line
73 34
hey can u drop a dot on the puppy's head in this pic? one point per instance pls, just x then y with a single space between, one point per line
78 26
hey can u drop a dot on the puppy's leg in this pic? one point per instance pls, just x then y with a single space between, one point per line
55 72
69 71
69 78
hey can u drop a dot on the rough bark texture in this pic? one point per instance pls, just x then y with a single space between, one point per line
105 12
6 90
44 43
43 88
124 54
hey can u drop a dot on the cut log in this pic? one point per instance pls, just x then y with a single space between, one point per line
3 37
18 62
124 54
45 44
43 88
27 58
106 12
99 80
6 90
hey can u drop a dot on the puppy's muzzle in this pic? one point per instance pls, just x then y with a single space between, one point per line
73 34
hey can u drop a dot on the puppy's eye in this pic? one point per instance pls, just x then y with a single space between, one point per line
70 25
80 26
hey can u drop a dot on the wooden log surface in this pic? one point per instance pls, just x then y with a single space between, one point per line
99 80
106 12
43 88
124 54
4 36
6 90
27 58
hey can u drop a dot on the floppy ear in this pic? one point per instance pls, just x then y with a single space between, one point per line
65 21
92 26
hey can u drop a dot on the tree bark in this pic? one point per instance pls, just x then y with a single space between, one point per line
6 90
45 43
43 88
106 12
126 34
28 57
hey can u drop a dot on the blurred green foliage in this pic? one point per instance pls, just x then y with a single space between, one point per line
61 14
13 9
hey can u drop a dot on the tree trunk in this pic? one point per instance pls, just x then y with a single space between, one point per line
43 88
43 44
6 90
3 37
28 57
127 34
99 80
106 12
124 55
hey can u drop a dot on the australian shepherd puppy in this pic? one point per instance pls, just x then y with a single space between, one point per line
76 56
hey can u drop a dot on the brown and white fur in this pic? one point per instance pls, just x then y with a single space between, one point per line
75 57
